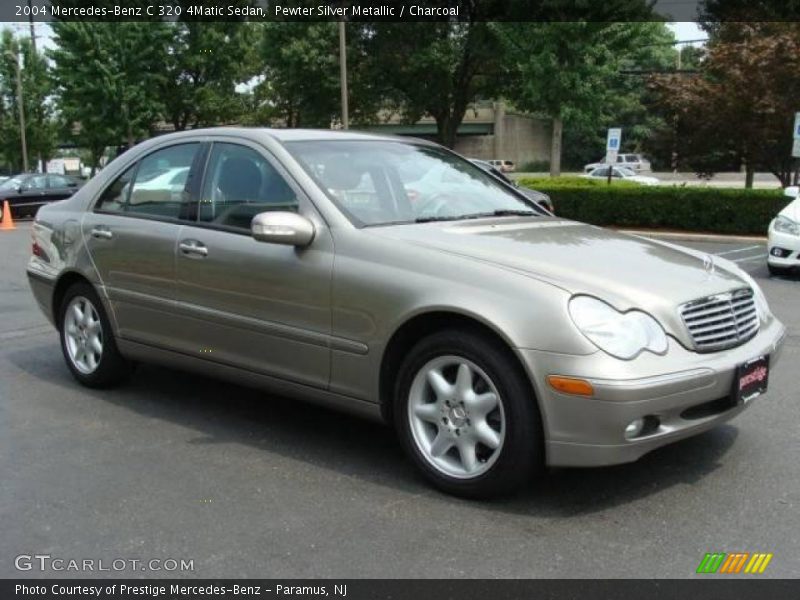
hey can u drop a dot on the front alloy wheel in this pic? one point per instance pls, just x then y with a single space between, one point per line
466 414
457 418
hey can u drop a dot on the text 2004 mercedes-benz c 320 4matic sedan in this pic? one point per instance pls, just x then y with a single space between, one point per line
395 279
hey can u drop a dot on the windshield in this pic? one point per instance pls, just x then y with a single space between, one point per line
382 182
626 172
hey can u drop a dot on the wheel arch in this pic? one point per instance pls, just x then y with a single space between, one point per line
64 282
426 323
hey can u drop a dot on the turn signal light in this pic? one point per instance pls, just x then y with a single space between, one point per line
570 385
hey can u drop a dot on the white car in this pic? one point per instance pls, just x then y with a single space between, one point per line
635 162
784 236
621 173
505 166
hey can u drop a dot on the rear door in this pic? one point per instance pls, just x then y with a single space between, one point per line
131 235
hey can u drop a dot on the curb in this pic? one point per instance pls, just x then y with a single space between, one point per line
713 238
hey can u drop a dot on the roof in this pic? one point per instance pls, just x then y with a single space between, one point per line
287 135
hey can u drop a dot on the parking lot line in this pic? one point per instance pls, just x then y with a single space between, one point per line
737 250
762 256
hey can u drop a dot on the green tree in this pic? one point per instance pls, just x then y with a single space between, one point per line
300 73
40 126
205 62
436 69
740 106
571 71
109 78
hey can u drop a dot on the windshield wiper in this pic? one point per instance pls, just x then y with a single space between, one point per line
503 212
431 219
511 212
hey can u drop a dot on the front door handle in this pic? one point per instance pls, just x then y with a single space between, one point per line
193 248
102 232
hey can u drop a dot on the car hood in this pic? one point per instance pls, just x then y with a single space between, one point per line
627 271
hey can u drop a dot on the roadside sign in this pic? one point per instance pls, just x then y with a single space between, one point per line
796 148
613 142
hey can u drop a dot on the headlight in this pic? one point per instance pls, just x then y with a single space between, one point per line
623 335
786 225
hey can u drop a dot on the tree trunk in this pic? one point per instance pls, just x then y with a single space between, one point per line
555 147
446 130
749 175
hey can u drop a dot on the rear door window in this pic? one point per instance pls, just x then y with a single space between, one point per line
159 185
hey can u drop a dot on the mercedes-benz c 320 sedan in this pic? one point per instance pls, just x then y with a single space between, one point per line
395 279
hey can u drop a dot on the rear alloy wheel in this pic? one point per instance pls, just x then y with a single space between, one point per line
87 340
466 415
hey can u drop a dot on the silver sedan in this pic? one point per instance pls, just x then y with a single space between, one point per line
395 279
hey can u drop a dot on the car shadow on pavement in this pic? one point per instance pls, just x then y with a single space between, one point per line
223 413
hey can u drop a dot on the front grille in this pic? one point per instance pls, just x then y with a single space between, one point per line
721 321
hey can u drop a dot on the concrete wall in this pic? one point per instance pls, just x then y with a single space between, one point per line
517 138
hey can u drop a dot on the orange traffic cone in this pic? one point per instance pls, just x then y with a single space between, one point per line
7 222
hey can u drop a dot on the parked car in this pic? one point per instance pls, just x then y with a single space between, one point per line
540 198
495 337
784 236
506 166
26 192
635 162
621 173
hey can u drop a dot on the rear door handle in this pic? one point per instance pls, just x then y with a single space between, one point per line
102 232
193 248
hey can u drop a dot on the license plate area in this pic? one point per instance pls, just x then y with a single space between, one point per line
751 380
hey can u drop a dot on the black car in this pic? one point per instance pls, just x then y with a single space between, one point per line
541 199
26 192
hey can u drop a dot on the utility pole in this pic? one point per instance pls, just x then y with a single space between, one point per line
343 75
23 141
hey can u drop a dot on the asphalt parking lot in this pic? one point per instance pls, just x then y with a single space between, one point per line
179 466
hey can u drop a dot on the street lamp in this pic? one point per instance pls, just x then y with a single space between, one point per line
15 58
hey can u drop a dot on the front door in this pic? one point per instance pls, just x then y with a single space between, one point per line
261 306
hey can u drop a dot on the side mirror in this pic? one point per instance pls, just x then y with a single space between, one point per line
792 191
286 228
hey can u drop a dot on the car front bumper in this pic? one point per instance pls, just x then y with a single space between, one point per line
686 392
784 242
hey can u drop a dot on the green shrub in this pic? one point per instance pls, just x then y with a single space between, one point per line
712 210
534 166
572 181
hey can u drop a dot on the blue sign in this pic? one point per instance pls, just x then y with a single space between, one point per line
614 139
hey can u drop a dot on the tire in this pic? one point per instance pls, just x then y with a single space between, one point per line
100 365
777 271
422 416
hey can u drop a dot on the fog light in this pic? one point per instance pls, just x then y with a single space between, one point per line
780 252
634 428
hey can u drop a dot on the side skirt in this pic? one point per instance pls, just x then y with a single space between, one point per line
151 354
